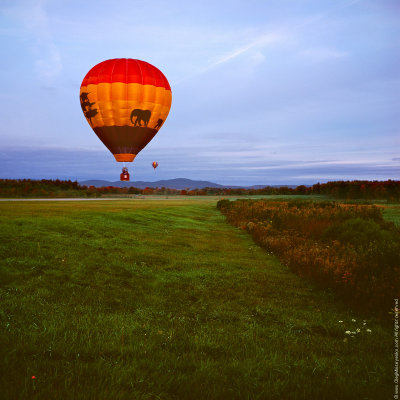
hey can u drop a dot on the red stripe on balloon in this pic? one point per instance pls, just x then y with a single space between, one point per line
126 70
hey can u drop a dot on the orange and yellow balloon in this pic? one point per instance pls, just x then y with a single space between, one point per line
126 102
154 164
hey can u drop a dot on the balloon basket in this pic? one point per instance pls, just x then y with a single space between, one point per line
124 174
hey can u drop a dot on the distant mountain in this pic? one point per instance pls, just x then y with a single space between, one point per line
178 183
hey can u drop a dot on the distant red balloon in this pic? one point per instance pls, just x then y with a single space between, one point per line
155 164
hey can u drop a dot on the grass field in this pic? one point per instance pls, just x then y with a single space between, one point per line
144 299
392 213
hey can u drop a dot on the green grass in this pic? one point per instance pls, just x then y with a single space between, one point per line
392 213
143 299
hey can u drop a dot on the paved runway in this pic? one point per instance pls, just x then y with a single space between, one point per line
77 199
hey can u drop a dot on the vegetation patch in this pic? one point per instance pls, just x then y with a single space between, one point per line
349 247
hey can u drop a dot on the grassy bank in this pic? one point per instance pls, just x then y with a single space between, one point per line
165 300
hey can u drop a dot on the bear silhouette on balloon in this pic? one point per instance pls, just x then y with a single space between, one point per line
141 116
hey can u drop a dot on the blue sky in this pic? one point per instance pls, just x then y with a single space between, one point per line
263 92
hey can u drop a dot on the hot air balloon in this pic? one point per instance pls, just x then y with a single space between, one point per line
125 102
155 164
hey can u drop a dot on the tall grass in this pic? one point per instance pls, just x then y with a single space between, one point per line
348 247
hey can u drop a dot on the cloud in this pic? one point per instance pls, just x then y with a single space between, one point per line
225 168
255 45
34 18
276 37
48 62
260 42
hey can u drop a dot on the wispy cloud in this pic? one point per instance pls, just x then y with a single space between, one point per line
257 44
260 42
33 16
48 61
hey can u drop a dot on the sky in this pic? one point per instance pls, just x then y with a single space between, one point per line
263 91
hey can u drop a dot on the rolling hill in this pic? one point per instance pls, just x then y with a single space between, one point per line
177 183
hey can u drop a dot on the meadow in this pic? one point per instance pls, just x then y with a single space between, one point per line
163 299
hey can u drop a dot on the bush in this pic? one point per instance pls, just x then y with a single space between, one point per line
223 204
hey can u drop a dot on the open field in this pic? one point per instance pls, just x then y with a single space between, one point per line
165 300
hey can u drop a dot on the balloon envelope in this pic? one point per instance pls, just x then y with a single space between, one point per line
126 102
155 164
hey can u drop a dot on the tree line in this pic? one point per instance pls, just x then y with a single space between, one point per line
382 190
